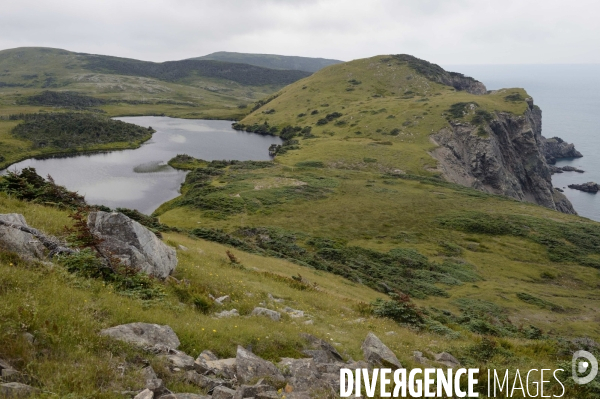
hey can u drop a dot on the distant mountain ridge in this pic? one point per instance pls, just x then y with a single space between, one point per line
272 61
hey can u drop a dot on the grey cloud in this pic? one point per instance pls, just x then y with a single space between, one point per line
443 31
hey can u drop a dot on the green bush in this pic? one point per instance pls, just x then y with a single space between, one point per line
400 309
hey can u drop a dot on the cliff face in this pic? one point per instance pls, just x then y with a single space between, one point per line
556 148
505 156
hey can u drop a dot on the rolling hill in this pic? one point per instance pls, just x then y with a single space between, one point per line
272 61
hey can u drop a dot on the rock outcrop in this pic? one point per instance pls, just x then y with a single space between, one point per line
133 244
376 353
507 160
556 148
589 187
20 242
250 367
144 335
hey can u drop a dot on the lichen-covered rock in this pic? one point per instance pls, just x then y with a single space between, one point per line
321 352
250 367
376 352
301 374
133 244
447 359
144 335
20 242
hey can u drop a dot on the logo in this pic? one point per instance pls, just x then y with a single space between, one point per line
582 366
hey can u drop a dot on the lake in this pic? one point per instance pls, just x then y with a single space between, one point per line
141 179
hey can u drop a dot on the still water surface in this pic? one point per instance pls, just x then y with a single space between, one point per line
141 179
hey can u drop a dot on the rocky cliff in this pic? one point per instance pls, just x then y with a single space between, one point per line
556 148
505 156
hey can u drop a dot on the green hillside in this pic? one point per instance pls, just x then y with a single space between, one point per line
35 79
355 175
352 223
272 61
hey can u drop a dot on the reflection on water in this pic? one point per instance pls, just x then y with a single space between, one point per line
141 179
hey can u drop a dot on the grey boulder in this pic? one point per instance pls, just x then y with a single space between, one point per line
250 367
133 244
376 352
20 242
447 359
144 335
223 393
16 390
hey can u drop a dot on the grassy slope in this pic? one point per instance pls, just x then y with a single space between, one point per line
65 312
28 71
371 210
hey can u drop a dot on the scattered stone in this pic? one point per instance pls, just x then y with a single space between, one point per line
419 358
221 300
182 248
144 334
254 391
20 242
250 367
376 352
206 356
560 190
589 187
227 313
184 396
180 360
29 337
390 333
359 320
16 390
274 315
322 351
447 359
309 322
148 373
293 312
301 374
223 393
4 365
145 394
133 244
272 298
206 382
224 367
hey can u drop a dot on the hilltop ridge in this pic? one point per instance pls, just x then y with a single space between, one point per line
272 61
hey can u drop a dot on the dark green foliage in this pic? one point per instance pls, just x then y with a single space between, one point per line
71 130
300 115
395 132
400 309
458 110
27 185
481 116
515 97
333 115
264 101
564 241
354 82
485 318
542 303
402 270
262 129
322 121
310 164
177 70
314 112
63 99
125 280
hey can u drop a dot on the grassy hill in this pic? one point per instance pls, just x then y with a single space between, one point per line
356 176
354 203
272 61
34 80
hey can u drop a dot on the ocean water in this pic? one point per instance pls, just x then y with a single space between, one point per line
569 96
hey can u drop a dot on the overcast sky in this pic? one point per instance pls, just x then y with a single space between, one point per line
441 31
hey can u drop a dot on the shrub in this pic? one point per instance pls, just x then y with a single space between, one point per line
400 309
322 121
